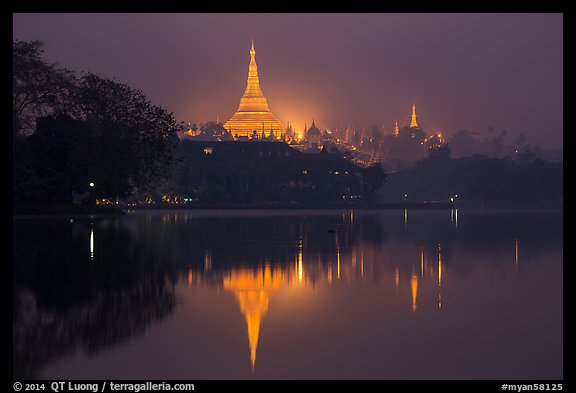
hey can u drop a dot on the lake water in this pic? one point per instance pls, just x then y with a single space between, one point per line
343 294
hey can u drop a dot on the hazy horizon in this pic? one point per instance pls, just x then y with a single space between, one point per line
463 71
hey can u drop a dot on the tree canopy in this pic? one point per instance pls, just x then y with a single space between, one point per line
72 130
38 87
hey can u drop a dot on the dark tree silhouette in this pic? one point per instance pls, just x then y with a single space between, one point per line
132 137
38 88
88 130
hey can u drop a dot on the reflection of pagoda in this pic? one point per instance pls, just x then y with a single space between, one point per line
253 113
252 288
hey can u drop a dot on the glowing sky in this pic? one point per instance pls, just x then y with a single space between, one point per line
463 71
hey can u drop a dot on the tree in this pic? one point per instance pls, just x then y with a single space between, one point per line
373 179
38 88
60 147
440 153
132 138
214 129
464 143
520 140
88 130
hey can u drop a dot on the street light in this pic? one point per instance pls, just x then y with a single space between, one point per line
92 197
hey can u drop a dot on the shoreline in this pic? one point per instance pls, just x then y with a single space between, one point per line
35 211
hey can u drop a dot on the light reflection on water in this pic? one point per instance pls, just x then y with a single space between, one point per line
289 294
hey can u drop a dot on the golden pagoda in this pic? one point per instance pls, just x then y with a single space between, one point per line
253 113
413 122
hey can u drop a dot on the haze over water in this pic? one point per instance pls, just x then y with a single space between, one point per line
290 294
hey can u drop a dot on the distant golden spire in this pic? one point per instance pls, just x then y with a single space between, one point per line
414 123
396 128
253 109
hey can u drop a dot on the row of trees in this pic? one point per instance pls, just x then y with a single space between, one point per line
479 180
468 143
82 135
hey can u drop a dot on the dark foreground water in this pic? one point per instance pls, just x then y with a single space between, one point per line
289 295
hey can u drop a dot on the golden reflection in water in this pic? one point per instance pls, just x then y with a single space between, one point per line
338 256
516 251
207 260
414 286
439 276
439 300
439 265
252 289
351 218
91 241
300 266
422 261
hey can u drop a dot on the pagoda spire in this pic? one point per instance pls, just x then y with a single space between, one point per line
253 108
253 83
413 122
396 128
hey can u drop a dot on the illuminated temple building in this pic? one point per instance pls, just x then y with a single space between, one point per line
253 113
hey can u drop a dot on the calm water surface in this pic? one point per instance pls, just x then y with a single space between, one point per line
289 295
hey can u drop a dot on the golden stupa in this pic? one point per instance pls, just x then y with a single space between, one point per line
253 113
413 122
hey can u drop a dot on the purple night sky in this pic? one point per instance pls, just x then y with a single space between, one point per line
463 71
